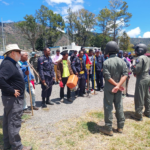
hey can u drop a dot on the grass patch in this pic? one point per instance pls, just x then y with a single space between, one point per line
98 115
25 117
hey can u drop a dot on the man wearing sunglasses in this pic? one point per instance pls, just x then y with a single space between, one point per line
12 86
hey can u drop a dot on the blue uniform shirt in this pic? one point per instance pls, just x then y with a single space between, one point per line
99 62
45 67
24 66
76 65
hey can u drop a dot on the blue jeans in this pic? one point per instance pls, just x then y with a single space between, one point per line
32 94
92 80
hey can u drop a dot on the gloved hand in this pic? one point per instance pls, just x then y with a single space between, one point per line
61 84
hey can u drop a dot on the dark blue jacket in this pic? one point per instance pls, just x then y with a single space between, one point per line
76 65
72 57
45 67
99 62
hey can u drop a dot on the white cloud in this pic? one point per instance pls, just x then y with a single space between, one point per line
146 35
8 21
52 2
4 2
73 4
134 32
139 37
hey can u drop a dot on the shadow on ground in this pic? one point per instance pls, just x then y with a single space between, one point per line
1 134
128 114
93 127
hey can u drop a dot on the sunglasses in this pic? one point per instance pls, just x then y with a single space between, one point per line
18 52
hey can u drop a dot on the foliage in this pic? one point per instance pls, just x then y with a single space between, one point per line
119 16
50 23
100 41
30 29
81 23
103 20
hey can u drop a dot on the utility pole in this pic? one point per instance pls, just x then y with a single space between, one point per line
3 37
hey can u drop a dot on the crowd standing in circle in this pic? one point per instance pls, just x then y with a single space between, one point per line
114 67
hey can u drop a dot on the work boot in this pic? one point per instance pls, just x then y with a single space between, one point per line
69 99
26 111
119 130
106 131
49 102
35 108
27 148
43 103
148 116
62 100
136 118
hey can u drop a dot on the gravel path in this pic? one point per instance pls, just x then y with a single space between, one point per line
63 111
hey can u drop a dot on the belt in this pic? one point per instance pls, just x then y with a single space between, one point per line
81 72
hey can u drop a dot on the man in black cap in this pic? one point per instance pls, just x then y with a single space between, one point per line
73 56
55 60
63 72
46 72
79 68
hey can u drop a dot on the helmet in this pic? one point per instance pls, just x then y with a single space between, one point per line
111 47
140 49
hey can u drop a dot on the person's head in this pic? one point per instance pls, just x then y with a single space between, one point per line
83 49
81 53
100 52
97 52
13 51
35 55
140 49
65 55
129 54
57 52
75 52
24 56
15 55
90 52
47 52
125 54
120 54
111 48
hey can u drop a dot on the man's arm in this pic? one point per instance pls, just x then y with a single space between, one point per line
73 66
122 80
40 66
137 67
6 73
58 71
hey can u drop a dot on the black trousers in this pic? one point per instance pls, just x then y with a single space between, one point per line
81 84
99 79
49 82
13 110
64 81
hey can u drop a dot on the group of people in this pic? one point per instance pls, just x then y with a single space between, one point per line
114 67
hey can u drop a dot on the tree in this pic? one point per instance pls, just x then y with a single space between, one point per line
124 41
103 20
83 23
119 16
50 23
30 29
100 41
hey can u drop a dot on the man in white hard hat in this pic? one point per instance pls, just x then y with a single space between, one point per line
12 86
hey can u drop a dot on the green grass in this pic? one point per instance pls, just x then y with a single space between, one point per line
25 117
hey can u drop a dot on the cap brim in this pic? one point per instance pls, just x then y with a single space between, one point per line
12 50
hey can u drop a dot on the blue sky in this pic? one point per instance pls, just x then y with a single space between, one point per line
15 10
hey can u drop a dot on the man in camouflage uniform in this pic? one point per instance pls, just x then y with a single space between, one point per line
141 71
34 62
115 73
